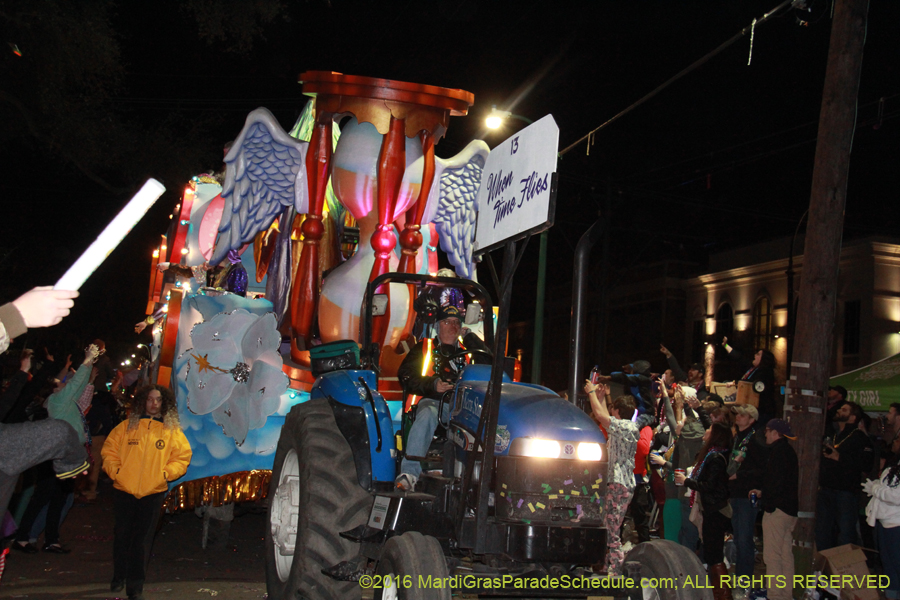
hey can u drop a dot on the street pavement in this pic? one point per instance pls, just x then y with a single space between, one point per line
179 567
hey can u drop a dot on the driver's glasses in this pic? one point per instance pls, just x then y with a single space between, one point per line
451 324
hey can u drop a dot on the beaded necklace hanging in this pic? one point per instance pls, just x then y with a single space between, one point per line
695 475
741 448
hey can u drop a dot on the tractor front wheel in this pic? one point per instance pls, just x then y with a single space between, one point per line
412 567
669 571
314 496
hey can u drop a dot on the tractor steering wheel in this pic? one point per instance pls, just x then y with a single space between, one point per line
448 395
474 351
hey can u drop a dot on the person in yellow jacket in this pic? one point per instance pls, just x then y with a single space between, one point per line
142 455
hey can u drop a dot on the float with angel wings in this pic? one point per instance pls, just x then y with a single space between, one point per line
288 213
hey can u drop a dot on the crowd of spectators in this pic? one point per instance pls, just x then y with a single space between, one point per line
711 470
707 467
54 423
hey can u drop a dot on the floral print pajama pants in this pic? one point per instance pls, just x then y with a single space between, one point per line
617 499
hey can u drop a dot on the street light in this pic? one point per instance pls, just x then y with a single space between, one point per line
496 118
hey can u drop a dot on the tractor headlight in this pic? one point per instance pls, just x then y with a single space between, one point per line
537 448
541 448
589 451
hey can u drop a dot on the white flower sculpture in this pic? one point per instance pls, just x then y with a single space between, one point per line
234 371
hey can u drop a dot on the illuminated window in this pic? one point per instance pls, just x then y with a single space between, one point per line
762 324
725 321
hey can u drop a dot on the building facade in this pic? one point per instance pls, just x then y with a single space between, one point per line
744 296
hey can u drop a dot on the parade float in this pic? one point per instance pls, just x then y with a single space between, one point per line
310 216
255 282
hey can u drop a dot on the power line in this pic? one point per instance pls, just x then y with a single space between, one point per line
697 64
863 123
710 170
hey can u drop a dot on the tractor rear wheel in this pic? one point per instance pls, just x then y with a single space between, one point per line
672 571
314 496
407 557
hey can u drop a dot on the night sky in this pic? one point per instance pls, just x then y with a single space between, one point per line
721 158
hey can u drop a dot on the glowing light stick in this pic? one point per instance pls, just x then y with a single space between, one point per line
114 233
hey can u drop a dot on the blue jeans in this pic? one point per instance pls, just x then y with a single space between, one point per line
836 518
888 539
688 536
743 524
421 433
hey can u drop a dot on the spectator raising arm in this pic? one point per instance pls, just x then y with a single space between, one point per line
668 412
677 371
598 406
62 404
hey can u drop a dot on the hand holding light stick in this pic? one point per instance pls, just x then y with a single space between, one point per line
107 241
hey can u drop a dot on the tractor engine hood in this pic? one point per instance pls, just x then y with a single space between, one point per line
527 411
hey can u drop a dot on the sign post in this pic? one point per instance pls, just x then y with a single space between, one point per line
517 198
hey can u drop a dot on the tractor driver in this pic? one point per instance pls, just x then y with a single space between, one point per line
428 372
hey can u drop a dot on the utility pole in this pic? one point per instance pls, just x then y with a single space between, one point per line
791 309
806 399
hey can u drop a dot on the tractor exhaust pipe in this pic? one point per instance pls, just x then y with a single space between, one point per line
576 337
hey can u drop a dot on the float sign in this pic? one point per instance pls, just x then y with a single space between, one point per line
517 196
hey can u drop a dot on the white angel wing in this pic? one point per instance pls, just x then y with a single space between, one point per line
451 204
264 172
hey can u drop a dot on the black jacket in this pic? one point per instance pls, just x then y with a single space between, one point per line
779 488
9 397
410 371
681 375
765 375
753 468
855 457
712 483
17 412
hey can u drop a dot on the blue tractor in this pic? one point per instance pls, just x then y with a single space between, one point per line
488 519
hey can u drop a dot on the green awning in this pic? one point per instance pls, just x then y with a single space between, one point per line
875 386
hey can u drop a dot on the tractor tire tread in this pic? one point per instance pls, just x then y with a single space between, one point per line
331 501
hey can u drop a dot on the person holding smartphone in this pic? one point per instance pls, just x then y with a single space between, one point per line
615 418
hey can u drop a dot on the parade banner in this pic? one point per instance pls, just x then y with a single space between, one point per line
516 196
875 386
